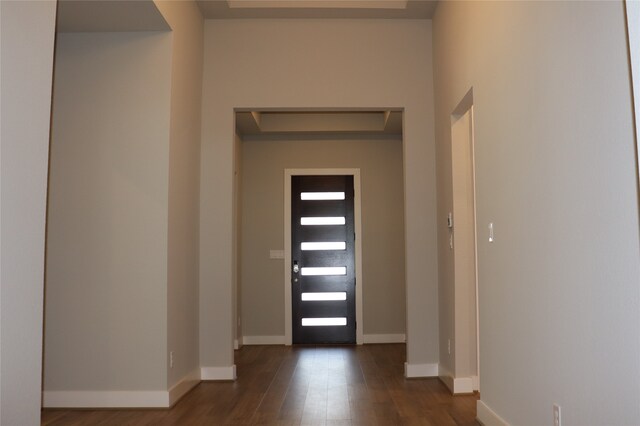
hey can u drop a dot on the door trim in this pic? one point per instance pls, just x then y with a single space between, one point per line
466 106
288 173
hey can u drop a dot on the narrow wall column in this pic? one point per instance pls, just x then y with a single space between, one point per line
27 69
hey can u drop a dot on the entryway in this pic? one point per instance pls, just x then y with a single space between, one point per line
365 146
323 275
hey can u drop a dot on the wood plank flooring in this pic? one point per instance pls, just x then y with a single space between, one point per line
314 385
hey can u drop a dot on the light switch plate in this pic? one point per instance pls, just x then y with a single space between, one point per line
276 254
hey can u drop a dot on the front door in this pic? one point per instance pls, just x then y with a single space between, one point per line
323 266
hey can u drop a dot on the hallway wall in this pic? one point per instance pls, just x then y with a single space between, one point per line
123 230
183 237
316 64
380 161
106 304
556 174
27 43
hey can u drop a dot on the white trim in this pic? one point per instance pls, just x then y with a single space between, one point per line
181 388
384 338
357 213
476 382
457 385
466 105
236 344
462 385
263 340
218 373
105 399
633 32
487 416
121 399
420 370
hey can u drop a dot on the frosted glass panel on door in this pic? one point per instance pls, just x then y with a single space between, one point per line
323 321
313 297
322 220
322 195
338 245
331 270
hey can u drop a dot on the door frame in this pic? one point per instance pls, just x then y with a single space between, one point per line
288 173
465 106
633 37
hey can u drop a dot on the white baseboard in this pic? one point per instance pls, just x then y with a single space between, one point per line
488 417
236 344
462 385
187 383
218 373
420 370
445 377
476 383
263 340
384 338
121 399
105 399
457 385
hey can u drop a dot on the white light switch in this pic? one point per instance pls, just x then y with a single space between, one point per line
276 254
491 232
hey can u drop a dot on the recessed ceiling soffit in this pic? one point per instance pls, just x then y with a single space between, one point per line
262 123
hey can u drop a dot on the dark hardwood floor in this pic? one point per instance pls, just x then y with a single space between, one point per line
319 385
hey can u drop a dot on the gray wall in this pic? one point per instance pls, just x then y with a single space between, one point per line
316 64
187 28
106 312
556 174
27 62
380 163
123 241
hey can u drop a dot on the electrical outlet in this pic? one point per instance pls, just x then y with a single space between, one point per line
449 346
171 359
557 420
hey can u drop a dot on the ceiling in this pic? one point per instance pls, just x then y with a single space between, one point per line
318 124
109 16
353 9
143 15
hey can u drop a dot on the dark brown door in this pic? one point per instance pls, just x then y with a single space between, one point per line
323 260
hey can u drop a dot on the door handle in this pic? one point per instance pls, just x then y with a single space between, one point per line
296 268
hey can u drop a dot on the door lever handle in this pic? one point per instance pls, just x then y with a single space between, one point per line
296 269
